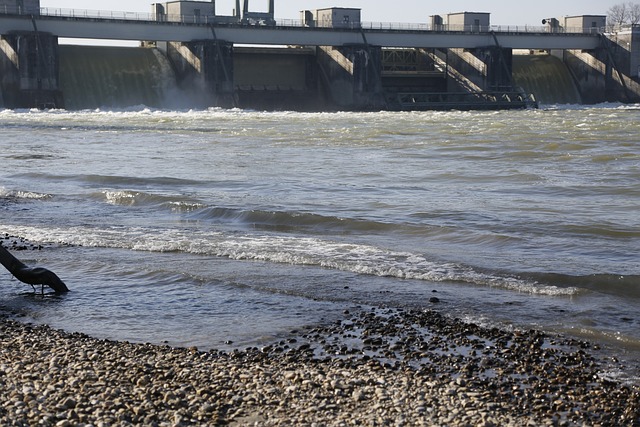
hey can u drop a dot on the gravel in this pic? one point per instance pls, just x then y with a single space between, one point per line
376 367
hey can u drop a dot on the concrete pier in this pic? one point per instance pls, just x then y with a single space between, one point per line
29 70
205 66
352 76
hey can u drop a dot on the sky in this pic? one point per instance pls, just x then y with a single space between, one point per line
503 12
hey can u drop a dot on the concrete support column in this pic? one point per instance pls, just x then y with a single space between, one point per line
591 72
29 66
205 67
500 69
352 76
478 70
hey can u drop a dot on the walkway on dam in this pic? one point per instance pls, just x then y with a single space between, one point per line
141 27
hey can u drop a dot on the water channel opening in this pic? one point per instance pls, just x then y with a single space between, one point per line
114 77
547 77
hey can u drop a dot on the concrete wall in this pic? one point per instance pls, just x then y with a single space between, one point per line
184 11
591 73
625 45
610 73
585 23
264 68
337 17
468 21
277 79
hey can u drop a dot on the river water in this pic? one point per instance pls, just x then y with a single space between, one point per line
224 229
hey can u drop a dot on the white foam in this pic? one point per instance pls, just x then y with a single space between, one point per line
356 258
601 106
17 194
121 197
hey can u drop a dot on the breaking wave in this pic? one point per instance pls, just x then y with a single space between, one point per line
306 251
17 194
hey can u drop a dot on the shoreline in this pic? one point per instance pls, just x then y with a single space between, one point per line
375 367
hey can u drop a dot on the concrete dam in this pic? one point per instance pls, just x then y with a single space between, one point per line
117 77
252 62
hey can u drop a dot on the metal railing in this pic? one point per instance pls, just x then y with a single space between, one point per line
230 20
617 28
97 14
464 100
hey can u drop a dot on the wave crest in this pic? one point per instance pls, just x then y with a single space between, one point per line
304 251
19 194
141 199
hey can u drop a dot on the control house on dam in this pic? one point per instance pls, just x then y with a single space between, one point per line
189 56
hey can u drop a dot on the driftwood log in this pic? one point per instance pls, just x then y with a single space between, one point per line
31 276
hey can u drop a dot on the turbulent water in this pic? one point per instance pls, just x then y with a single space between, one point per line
231 228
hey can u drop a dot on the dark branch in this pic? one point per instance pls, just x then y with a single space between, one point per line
31 276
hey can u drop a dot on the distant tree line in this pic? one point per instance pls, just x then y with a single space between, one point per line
624 14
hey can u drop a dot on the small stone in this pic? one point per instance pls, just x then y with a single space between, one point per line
68 403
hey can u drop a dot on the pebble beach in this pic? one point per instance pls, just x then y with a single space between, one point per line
376 367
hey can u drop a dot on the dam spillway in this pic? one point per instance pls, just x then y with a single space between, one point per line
107 77
119 77
546 77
